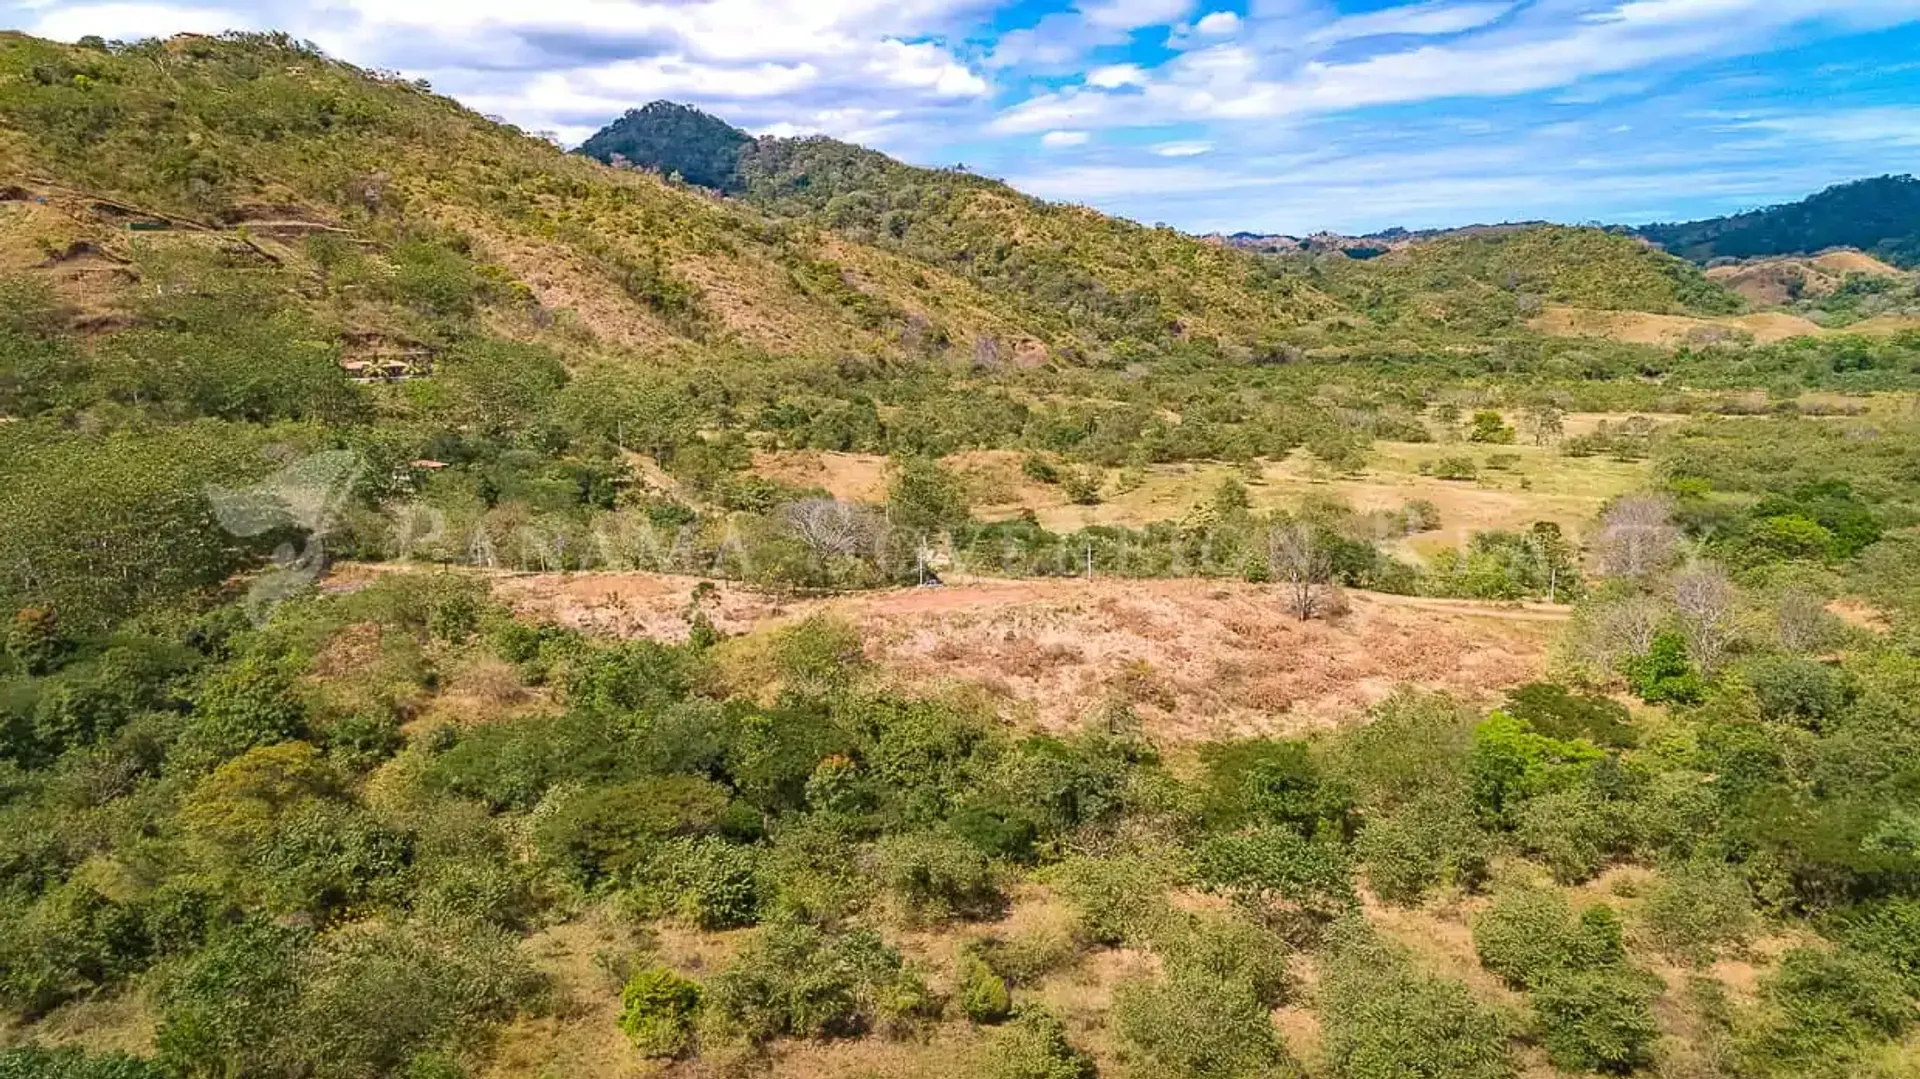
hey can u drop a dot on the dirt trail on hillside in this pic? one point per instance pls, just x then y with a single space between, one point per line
1195 659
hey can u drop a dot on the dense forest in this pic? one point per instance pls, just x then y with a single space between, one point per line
299 364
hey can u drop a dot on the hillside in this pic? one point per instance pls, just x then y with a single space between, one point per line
1880 216
468 611
1078 271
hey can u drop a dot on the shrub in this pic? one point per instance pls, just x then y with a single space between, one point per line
819 655
1198 948
33 1062
1197 1027
1119 899
1823 1005
983 994
1888 930
706 881
1528 935
1597 1020
251 703
1433 841
1798 691
1557 713
1035 1046
1456 468
1278 876
1664 675
605 832
796 981
1266 781
1696 909
1511 762
657 1011
1575 832
1383 1019
1490 427
937 876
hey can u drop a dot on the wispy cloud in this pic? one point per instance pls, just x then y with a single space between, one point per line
1285 114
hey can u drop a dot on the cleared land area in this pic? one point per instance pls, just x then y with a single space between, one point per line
1195 659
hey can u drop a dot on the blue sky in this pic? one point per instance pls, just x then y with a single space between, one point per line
1266 115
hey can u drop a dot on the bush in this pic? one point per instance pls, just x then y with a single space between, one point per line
1664 675
937 876
1798 691
983 994
1528 935
1266 781
1120 899
1198 1027
1823 1005
1278 877
1510 763
1383 1019
1435 841
1888 930
657 1011
1199 948
1598 1020
707 882
1697 909
1557 713
250 704
796 981
606 832
1575 832
33 1062
1035 1046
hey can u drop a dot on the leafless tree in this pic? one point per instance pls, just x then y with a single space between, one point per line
1801 620
831 528
1301 562
1620 629
1707 605
1637 536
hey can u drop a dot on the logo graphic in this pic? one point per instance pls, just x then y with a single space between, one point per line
307 496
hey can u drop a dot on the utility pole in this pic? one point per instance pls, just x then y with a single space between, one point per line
1089 560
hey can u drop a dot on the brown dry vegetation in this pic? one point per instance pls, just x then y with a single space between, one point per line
1196 659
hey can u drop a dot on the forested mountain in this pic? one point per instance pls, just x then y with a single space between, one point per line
673 140
1880 216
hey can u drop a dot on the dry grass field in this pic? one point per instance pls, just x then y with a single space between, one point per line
1196 659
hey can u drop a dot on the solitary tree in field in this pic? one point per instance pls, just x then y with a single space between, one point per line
1545 423
1302 562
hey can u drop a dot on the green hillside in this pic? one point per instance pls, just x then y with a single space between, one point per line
1111 280
1880 216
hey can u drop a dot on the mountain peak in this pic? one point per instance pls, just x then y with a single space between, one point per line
671 138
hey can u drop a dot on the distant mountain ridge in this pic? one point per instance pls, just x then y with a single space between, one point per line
1880 216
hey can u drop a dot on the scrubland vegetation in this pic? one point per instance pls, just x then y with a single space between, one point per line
256 822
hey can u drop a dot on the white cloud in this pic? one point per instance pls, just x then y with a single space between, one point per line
571 65
1218 24
1424 20
1533 50
1133 14
1117 75
131 22
1182 149
1059 140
